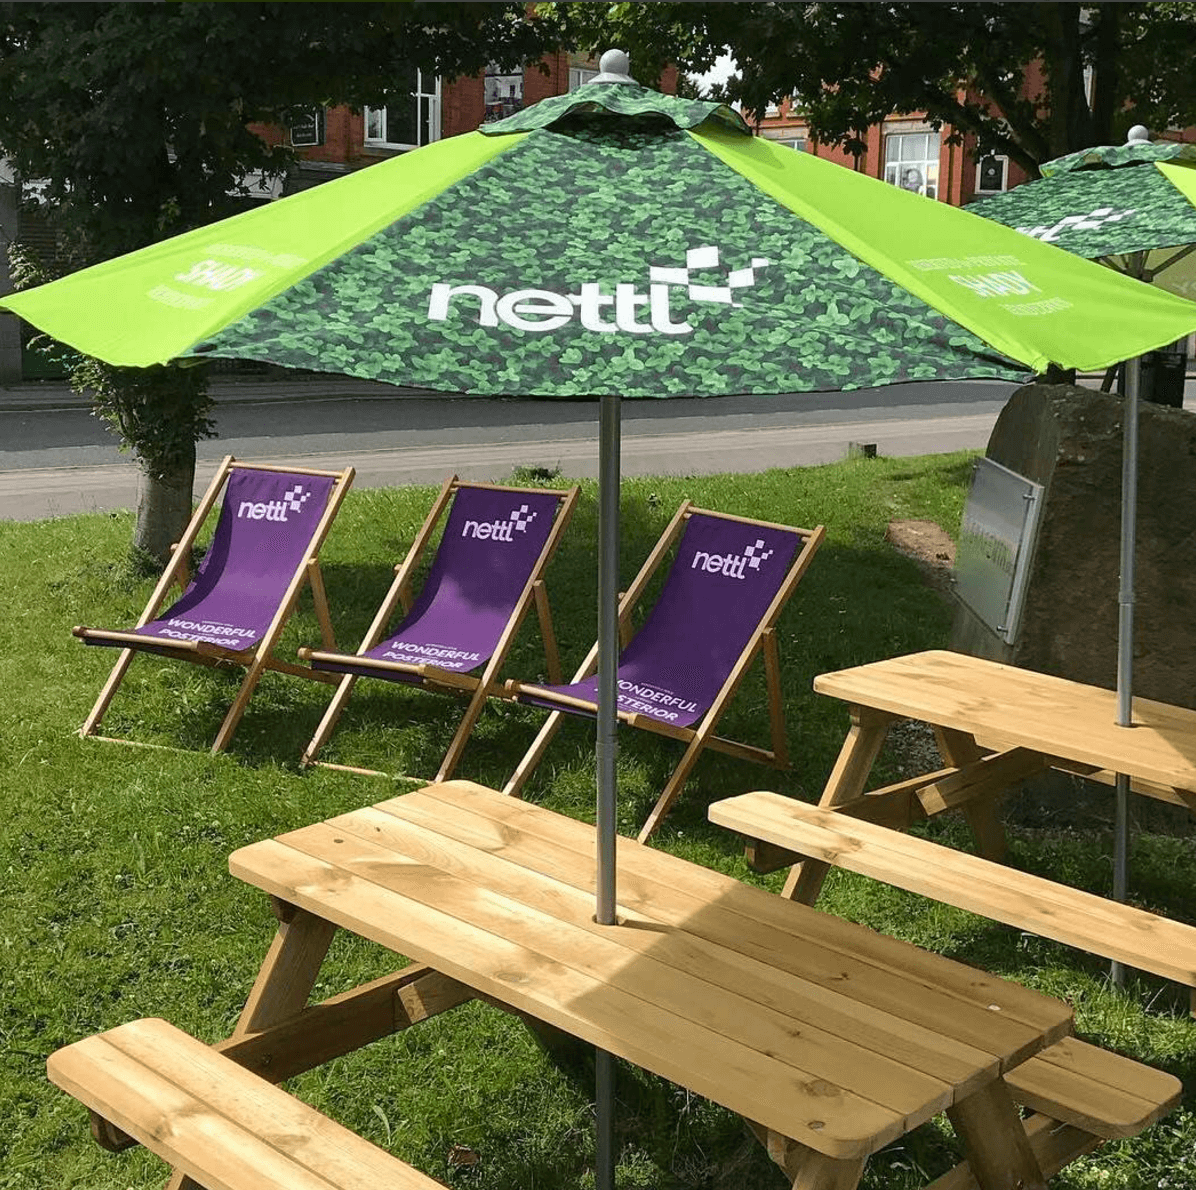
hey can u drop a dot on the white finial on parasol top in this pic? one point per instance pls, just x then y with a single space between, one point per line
1138 135
613 67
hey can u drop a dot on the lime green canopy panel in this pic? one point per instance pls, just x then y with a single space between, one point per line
150 306
1032 301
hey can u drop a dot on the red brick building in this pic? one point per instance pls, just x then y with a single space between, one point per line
905 150
335 140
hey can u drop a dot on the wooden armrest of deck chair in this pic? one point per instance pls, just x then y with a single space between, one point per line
423 670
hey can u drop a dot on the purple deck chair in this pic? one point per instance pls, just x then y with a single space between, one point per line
728 583
487 572
272 523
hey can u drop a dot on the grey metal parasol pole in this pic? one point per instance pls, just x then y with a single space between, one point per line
607 746
1125 631
608 651
614 70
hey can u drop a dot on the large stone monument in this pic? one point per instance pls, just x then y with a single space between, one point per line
1069 440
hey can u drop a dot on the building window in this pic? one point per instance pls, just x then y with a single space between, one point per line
407 124
504 93
992 174
912 161
793 137
307 128
579 76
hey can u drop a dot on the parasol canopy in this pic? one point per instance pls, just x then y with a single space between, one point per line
610 241
1131 206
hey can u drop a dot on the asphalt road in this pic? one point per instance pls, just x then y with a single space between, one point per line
56 459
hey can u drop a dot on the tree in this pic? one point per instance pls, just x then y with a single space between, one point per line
133 119
1034 81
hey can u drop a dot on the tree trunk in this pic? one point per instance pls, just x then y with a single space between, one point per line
164 507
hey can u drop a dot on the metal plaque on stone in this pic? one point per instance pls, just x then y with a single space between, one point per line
996 545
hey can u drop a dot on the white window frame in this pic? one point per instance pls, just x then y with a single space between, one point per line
1004 160
925 165
515 102
421 94
580 75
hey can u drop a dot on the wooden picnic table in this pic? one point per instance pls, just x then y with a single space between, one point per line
829 1039
996 725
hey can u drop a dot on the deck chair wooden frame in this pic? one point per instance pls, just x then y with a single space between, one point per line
478 688
261 657
763 641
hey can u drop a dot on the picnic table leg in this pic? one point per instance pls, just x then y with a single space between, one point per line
813 1171
283 984
865 738
958 749
995 1142
805 1168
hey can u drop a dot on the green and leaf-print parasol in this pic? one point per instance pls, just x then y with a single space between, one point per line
1131 206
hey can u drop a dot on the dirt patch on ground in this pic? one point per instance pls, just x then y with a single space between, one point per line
928 545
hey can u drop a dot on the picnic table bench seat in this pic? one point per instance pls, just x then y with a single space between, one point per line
794 831
1079 1096
221 1125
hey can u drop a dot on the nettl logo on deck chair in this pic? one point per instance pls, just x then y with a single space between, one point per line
732 565
293 500
541 310
517 522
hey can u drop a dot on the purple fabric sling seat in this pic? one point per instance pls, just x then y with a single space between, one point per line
485 575
728 582
271 524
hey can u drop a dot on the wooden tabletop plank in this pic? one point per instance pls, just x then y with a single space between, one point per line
429 874
810 1110
664 966
978 1009
761 984
1052 910
1026 709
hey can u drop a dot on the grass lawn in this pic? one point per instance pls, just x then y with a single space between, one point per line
117 901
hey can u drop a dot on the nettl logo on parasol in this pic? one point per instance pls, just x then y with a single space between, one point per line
597 309
1092 221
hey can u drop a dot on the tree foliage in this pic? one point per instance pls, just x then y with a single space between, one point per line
1034 81
134 121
